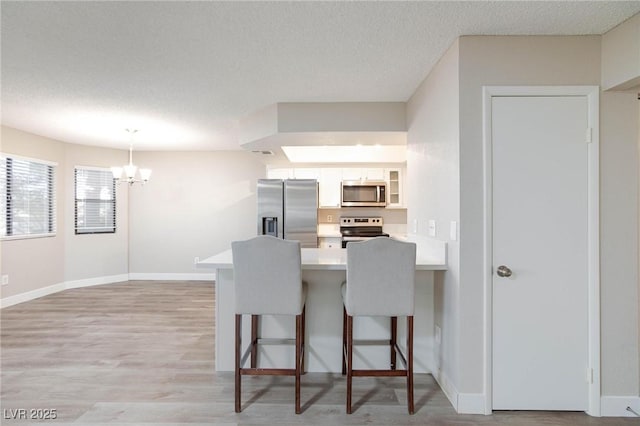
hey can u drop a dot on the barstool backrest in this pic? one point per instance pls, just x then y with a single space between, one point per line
267 276
380 277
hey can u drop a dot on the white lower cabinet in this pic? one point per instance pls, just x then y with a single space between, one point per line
330 242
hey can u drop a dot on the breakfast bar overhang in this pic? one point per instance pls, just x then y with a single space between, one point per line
325 270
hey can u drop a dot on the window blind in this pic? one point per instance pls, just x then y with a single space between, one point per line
95 201
27 197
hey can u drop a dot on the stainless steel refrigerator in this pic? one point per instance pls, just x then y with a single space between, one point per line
289 209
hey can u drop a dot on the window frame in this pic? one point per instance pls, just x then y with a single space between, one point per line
113 201
51 182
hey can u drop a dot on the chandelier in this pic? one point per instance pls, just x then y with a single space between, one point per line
127 173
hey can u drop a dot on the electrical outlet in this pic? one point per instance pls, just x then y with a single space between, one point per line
329 218
438 335
196 260
5 280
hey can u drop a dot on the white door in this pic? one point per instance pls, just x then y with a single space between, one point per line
540 233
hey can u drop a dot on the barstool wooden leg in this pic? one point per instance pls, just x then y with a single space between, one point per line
298 359
238 377
392 342
304 358
254 340
349 361
410 364
344 340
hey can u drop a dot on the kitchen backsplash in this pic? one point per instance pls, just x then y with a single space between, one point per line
393 216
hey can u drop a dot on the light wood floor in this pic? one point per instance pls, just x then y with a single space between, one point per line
142 352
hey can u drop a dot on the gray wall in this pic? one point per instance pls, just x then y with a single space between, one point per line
619 243
555 61
99 255
500 61
433 176
41 262
195 204
445 169
20 256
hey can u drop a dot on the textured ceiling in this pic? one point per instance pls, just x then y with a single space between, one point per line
185 73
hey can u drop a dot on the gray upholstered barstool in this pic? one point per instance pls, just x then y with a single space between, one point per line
267 281
380 282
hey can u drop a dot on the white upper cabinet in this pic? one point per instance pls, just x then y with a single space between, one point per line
394 179
352 173
373 174
306 173
280 173
329 190
294 173
356 173
329 179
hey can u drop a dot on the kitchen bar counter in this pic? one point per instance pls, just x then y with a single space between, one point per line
324 270
325 259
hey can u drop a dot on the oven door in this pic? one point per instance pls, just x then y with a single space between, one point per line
348 239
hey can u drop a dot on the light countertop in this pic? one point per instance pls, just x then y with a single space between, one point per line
432 258
329 230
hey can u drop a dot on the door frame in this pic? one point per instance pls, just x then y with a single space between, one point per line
592 94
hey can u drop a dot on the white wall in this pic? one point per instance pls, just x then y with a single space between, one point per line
619 243
195 204
341 116
621 56
95 255
445 170
433 170
500 61
38 263
20 256
553 61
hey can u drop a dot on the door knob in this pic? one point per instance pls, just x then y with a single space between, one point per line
503 271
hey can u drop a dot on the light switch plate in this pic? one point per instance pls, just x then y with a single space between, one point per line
5 279
453 230
415 226
432 228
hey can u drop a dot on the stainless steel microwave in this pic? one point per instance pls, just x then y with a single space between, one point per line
355 193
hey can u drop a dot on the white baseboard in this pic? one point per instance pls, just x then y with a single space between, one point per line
448 388
471 403
88 282
110 279
463 403
30 295
616 406
153 276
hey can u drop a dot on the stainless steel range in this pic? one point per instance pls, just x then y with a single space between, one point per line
356 228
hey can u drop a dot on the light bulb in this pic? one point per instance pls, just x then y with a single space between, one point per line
117 172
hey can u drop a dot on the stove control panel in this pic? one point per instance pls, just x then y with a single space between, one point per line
360 221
